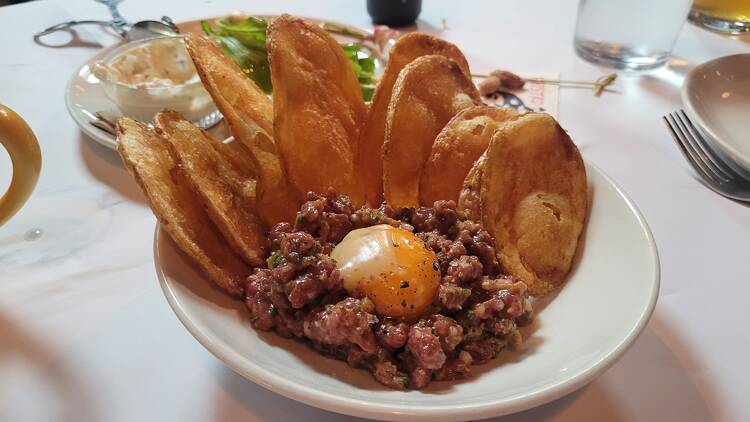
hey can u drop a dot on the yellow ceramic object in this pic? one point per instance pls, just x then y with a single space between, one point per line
18 139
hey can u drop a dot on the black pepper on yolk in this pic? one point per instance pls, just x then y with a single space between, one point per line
390 266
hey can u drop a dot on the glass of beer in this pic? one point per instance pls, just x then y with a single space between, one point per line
725 16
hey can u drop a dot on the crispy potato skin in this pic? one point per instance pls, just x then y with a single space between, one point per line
463 139
408 47
249 113
469 198
425 137
534 200
429 91
227 195
237 154
173 201
318 108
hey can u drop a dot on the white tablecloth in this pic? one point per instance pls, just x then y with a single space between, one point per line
86 334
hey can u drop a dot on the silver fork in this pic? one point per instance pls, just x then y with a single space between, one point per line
716 174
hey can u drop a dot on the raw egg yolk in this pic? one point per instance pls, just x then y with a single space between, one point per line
390 266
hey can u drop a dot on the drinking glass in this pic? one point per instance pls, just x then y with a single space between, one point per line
629 34
726 16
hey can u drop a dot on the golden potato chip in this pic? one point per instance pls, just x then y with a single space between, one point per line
227 195
468 200
369 158
237 154
429 91
174 203
534 199
249 113
318 107
463 139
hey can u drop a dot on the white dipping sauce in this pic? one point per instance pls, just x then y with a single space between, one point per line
146 76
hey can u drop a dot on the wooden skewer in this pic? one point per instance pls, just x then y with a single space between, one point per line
599 86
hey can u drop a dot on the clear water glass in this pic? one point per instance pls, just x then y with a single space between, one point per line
629 34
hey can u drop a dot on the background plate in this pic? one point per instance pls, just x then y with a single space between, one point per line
716 94
84 94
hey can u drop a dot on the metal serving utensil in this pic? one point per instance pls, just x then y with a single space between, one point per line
130 32
716 174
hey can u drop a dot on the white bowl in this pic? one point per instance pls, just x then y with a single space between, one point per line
579 333
716 95
142 100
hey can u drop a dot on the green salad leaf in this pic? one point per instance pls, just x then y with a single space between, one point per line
364 68
245 43
251 32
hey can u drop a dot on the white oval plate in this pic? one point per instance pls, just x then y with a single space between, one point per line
84 94
716 94
595 317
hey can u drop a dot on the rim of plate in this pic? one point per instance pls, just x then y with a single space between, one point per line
355 407
92 132
108 140
691 79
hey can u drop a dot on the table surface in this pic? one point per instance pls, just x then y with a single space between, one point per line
86 334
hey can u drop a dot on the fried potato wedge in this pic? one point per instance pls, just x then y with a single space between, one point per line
147 157
318 107
429 91
227 195
249 113
534 200
369 158
469 198
237 154
463 139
